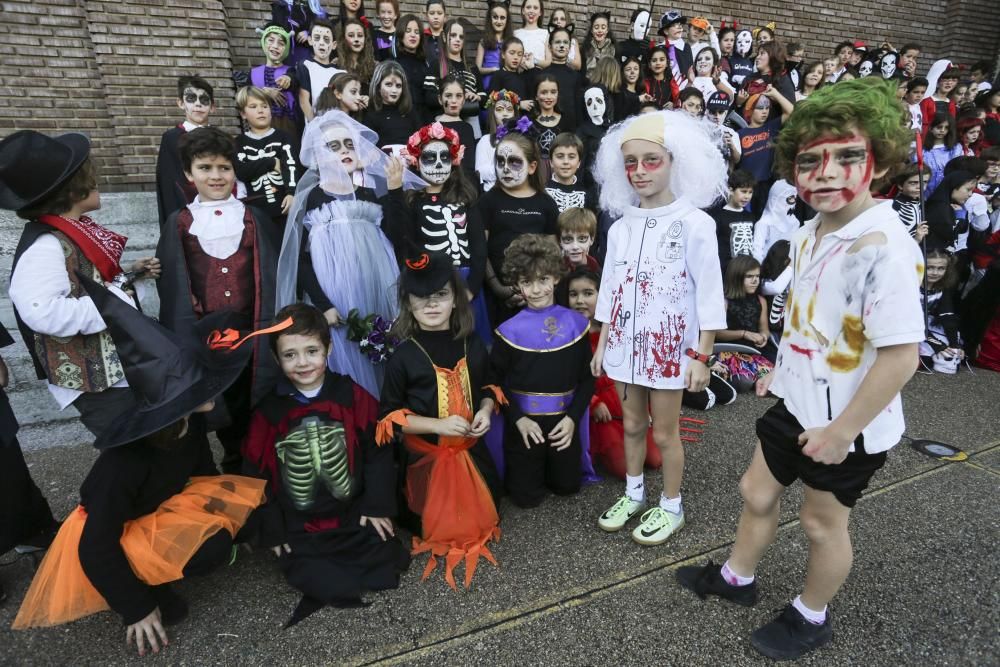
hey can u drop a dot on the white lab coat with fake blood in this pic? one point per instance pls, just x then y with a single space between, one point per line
661 287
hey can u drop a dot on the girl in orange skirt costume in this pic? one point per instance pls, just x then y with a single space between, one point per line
153 508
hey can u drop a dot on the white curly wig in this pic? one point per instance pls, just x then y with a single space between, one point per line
698 172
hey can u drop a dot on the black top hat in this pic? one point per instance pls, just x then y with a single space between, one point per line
33 165
169 374
671 17
426 273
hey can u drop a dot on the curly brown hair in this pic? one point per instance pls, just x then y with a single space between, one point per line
533 256
74 189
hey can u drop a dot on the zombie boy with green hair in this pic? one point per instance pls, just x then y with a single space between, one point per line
850 344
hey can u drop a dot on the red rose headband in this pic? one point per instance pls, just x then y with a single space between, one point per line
434 132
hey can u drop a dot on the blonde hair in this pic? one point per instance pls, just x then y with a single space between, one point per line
244 94
607 73
576 220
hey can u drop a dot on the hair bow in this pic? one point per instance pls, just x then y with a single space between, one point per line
524 125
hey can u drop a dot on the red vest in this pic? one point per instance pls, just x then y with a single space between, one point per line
220 284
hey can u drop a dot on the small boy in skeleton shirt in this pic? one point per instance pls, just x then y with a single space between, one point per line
849 346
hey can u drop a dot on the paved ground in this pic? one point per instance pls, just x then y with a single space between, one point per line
924 590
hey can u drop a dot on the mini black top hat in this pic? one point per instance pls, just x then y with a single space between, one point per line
169 374
671 17
33 165
426 273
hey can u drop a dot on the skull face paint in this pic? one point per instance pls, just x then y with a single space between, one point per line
593 99
744 42
832 172
511 166
435 162
640 25
341 144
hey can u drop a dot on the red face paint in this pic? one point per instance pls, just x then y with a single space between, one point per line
827 173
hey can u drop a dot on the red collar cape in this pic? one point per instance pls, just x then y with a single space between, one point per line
100 245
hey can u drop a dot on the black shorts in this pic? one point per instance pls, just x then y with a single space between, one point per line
779 432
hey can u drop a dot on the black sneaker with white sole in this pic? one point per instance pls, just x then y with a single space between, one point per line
707 580
791 635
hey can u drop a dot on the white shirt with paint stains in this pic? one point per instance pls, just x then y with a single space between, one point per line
846 301
661 287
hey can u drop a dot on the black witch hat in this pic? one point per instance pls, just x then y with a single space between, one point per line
170 374
425 273
33 165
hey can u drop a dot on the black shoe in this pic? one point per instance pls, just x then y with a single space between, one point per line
707 580
173 608
791 635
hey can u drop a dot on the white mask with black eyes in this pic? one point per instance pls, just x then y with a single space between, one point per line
888 65
511 167
865 68
744 42
435 162
596 105
640 25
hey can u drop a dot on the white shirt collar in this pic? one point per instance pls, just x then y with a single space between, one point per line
189 126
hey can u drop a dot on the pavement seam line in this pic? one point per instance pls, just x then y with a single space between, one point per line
575 596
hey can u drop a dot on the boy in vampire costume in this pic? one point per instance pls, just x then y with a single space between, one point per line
218 254
153 508
331 490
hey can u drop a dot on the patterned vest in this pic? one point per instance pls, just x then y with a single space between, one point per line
87 363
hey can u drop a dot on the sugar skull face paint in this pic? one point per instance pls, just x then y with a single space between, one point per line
435 162
511 165
832 172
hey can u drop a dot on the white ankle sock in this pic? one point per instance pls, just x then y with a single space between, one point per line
671 504
635 488
814 617
734 579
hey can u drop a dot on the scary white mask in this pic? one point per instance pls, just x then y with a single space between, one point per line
593 99
435 162
888 65
744 42
865 68
640 25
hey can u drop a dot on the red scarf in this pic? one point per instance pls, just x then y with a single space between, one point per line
100 245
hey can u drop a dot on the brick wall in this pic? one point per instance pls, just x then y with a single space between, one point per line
108 68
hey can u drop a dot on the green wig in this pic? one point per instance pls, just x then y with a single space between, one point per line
868 105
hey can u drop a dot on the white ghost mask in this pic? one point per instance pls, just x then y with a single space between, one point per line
640 25
865 68
888 65
593 99
435 162
744 42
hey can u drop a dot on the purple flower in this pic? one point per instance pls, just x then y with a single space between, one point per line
523 125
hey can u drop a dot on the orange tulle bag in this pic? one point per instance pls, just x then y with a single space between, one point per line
157 546
445 487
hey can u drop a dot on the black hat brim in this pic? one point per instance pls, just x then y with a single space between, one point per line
133 425
79 146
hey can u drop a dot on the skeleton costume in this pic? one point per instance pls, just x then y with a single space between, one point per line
254 165
336 249
324 472
661 284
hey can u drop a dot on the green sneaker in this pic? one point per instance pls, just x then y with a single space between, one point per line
656 525
618 515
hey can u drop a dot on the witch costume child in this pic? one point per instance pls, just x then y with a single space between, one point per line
153 508
437 396
337 252
330 489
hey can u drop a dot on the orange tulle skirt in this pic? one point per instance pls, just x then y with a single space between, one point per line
157 546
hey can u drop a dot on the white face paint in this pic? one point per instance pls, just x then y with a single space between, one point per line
744 42
888 65
703 63
511 166
435 162
865 68
596 105
340 142
641 25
